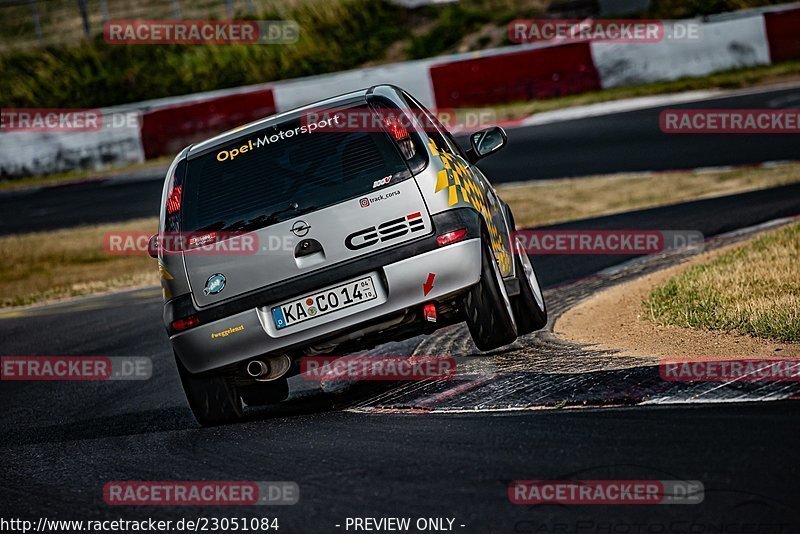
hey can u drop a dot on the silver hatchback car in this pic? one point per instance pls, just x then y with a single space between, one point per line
330 229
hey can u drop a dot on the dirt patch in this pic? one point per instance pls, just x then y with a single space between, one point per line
614 320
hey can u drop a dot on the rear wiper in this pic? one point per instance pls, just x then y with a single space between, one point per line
238 225
266 220
294 209
307 209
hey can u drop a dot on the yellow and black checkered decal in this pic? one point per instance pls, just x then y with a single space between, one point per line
462 187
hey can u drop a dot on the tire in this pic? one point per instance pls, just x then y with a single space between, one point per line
530 310
213 398
487 307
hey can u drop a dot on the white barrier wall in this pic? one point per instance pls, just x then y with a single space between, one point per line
35 154
721 46
412 76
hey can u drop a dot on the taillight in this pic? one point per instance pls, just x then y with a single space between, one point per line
398 131
174 199
451 237
179 325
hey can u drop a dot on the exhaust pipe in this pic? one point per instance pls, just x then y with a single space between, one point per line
257 368
271 369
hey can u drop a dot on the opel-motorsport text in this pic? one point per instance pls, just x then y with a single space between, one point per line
267 139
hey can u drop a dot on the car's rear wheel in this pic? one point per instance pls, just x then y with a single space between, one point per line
530 310
487 307
213 397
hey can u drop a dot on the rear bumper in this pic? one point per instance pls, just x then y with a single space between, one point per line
249 334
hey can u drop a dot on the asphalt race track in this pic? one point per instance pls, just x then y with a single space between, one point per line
633 142
620 142
63 441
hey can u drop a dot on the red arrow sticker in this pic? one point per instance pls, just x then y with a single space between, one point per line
428 285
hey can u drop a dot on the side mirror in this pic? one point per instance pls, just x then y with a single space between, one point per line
153 245
488 141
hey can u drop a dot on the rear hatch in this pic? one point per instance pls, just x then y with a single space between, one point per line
295 200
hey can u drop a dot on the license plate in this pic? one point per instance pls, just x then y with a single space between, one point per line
325 302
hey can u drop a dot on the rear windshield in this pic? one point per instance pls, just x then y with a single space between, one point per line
283 171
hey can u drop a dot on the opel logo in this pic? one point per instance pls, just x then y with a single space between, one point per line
300 228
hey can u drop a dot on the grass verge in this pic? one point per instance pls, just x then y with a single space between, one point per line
753 289
47 266
334 36
552 201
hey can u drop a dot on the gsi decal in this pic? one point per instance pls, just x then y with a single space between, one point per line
385 232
